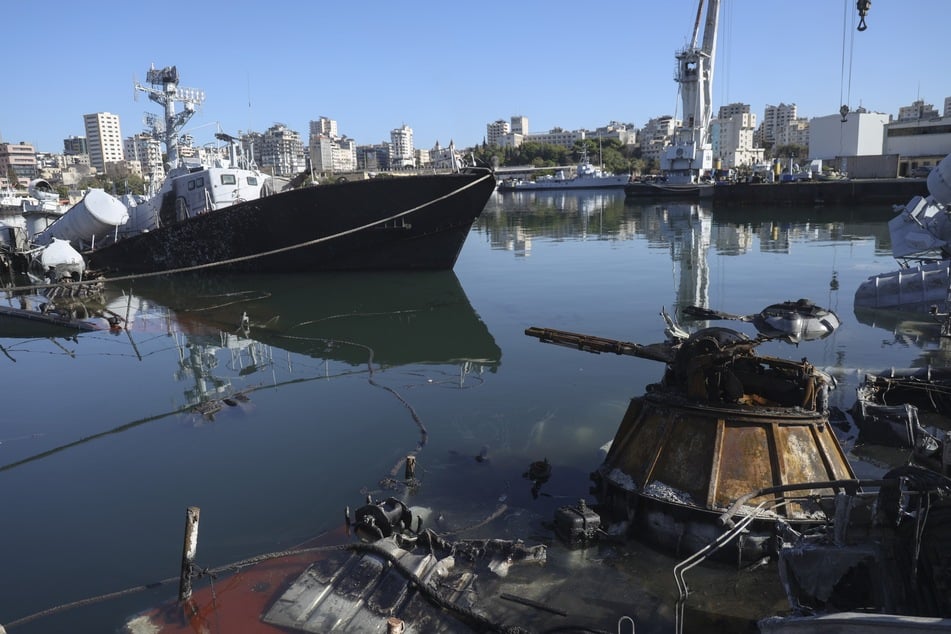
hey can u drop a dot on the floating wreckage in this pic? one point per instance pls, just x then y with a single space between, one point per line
883 565
921 243
793 321
889 408
722 422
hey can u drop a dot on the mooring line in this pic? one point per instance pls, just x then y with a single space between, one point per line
423 432
254 256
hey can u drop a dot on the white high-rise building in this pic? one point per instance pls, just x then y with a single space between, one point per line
324 126
775 120
918 111
282 151
520 125
147 150
329 152
735 139
402 152
796 133
103 139
495 131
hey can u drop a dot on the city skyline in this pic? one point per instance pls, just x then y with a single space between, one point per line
457 71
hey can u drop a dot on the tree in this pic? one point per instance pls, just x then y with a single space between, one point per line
790 150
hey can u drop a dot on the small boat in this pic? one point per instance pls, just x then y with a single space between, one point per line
921 242
227 215
587 177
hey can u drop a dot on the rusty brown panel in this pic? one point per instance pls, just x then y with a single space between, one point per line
715 466
685 461
626 428
745 463
838 465
803 457
634 454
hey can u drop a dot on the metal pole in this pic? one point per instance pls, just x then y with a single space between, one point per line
189 549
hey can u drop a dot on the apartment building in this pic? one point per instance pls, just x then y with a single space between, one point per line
281 150
796 132
775 120
402 153
147 150
733 141
558 136
332 155
373 158
17 164
655 135
329 152
74 145
918 111
495 131
103 139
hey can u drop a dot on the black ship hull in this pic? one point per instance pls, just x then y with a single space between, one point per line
397 223
662 190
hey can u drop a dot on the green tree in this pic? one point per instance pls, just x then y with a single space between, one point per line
791 150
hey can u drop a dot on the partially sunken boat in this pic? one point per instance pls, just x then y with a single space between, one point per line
723 422
228 217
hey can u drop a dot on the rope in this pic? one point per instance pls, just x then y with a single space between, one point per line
423 432
254 256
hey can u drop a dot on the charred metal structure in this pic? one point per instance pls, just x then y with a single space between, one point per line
722 422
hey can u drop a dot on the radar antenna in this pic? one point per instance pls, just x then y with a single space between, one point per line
165 91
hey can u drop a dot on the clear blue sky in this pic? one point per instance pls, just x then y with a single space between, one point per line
447 69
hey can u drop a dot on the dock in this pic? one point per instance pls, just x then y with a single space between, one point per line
877 191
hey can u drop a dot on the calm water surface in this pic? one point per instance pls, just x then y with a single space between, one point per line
275 403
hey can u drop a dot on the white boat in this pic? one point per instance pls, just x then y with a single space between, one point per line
921 242
10 200
588 176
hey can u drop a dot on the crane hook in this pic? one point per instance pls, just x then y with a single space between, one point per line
863 6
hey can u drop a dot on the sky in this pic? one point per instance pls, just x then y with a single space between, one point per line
446 69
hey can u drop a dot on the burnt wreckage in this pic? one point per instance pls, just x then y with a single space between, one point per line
722 422
731 455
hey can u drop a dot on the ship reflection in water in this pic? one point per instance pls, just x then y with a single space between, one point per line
371 321
275 403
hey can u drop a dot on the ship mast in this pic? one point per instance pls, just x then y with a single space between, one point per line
691 154
165 91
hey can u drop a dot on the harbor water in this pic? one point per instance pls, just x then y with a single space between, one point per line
274 403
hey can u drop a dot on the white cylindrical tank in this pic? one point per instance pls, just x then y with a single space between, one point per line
95 216
62 259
